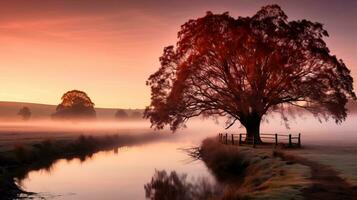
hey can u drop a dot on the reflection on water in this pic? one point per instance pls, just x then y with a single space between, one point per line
110 175
175 186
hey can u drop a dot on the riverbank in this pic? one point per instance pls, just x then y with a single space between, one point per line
265 173
248 173
16 163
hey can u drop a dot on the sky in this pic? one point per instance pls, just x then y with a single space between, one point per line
109 48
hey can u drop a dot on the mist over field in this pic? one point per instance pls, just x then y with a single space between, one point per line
312 129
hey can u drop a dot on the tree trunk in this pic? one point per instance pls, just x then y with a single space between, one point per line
252 127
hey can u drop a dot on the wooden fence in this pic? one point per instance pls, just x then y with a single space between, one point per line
239 139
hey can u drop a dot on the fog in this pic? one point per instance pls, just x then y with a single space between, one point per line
312 130
197 129
68 126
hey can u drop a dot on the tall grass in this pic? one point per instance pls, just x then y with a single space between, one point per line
252 173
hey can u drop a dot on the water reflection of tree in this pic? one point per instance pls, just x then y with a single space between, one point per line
44 155
174 186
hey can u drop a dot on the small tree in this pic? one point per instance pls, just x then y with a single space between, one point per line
75 105
121 114
137 114
25 113
244 68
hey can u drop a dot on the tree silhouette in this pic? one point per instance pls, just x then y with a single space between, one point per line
137 114
25 113
244 68
75 104
121 114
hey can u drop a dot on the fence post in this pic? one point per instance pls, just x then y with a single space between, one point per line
226 138
290 143
232 139
299 140
253 142
276 139
240 138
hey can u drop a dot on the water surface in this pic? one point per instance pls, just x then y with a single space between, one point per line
112 175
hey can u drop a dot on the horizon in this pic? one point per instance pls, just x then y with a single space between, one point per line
42 43
45 104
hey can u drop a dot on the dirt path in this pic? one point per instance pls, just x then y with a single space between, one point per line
326 184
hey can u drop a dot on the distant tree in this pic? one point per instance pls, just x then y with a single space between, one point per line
244 68
137 114
121 114
75 105
25 113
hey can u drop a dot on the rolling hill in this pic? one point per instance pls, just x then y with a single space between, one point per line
9 110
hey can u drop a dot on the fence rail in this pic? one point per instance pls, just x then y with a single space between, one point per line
276 139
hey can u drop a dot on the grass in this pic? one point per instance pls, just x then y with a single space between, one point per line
253 173
340 158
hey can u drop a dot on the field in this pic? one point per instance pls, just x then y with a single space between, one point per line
342 159
312 172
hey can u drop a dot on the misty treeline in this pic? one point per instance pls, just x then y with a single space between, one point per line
128 114
75 105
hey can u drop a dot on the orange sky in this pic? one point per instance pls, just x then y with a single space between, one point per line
109 48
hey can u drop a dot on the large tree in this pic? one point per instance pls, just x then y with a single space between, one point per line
75 105
244 68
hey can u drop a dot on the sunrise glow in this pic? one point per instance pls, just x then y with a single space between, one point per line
110 48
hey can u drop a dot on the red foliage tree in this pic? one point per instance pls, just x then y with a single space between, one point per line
75 104
245 68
